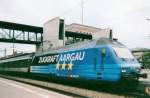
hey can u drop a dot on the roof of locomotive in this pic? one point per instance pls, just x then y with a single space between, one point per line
82 45
106 41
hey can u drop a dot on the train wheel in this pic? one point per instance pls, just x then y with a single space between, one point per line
147 90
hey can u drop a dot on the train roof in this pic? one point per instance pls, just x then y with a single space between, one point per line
72 47
82 45
106 41
17 57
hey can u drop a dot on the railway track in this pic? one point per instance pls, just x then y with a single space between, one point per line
90 89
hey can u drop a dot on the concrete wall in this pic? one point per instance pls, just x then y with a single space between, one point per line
102 33
74 27
96 32
51 34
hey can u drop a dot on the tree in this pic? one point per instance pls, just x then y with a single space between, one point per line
146 60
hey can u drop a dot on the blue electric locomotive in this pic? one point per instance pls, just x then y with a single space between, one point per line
102 59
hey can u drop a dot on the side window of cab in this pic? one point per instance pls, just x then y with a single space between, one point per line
103 52
103 56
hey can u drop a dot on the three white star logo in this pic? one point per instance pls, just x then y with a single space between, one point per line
63 66
70 66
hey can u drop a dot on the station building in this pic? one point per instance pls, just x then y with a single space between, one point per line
57 34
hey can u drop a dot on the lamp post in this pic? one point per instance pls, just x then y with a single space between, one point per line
82 2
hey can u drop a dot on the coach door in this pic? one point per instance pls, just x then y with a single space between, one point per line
97 68
102 62
103 57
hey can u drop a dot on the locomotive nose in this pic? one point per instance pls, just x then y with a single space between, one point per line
133 72
130 70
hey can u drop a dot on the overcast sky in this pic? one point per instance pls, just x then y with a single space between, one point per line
126 17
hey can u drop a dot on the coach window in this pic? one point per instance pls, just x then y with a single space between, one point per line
103 52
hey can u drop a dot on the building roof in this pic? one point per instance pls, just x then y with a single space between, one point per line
74 27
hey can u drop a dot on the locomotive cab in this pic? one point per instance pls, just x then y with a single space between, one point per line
130 67
117 61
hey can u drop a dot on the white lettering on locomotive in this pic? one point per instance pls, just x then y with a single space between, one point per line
75 56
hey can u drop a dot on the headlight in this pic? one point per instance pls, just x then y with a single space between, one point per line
137 69
123 70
